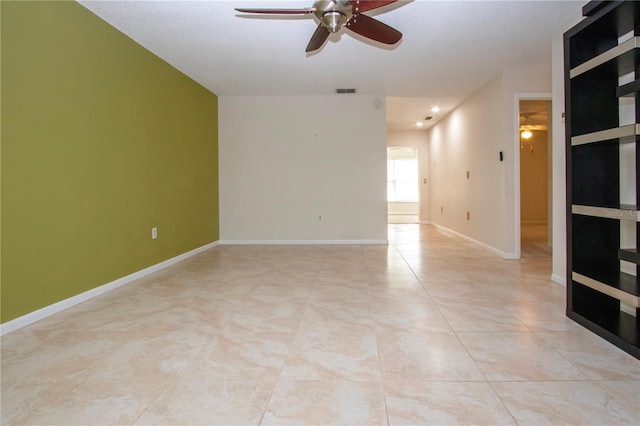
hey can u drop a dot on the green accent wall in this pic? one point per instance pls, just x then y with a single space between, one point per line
100 141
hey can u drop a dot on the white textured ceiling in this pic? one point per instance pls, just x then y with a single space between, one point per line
449 48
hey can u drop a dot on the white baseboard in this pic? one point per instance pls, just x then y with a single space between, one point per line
42 313
301 242
493 250
559 280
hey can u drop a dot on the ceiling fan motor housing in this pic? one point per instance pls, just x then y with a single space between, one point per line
333 14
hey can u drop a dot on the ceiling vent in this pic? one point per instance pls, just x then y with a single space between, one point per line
428 117
345 91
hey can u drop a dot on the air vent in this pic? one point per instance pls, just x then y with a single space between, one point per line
428 117
345 91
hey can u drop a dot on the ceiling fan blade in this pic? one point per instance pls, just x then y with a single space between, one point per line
375 30
364 5
279 11
318 38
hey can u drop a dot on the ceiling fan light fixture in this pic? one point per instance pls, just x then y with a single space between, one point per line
333 21
332 15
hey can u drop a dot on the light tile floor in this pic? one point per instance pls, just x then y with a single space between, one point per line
427 330
535 240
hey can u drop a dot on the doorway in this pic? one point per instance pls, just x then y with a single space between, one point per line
403 199
535 177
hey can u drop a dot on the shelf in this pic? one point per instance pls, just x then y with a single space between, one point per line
625 212
620 329
629 89
592 7
602 66
624 56
629 255
623 287
603 25
625 134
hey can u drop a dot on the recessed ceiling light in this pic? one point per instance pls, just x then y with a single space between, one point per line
419 123
435 109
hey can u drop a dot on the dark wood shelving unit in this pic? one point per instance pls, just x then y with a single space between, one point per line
629 255
620 285
629 89
602 67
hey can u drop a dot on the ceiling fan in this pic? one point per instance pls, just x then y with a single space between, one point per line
334 14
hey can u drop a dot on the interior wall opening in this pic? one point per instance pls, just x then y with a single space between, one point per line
403 199
535 180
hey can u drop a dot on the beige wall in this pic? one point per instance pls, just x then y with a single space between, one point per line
534 191
285 161
470 139
559 260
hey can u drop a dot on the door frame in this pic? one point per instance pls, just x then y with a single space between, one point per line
419 202
542 96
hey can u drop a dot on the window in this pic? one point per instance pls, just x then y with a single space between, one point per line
402 179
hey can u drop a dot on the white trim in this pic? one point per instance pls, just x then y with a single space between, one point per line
49 310
425 222
493 250
301 242
559 280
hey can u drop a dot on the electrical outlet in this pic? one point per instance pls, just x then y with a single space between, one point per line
319 218
154 233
